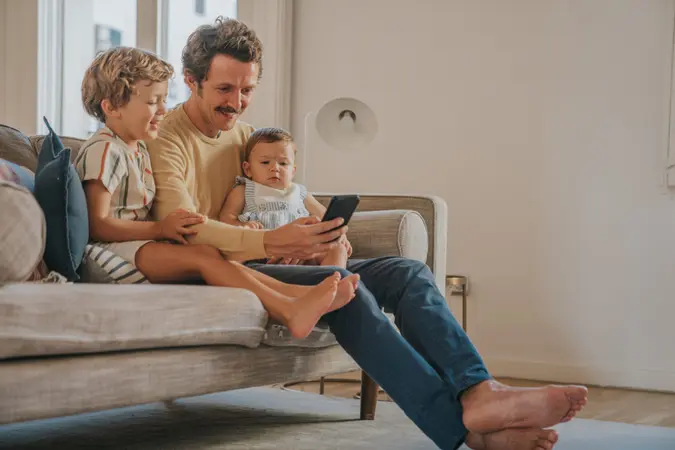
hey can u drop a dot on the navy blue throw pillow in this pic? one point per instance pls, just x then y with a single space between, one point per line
59 192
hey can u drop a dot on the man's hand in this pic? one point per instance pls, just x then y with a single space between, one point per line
174 226
305 238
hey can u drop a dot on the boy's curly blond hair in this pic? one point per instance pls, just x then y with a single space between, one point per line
113 73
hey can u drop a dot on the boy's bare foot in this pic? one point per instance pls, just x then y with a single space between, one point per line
491 406
345 292
304 312
513 439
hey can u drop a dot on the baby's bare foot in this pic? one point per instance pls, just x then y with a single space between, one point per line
513 439
305 312
492 406
345 292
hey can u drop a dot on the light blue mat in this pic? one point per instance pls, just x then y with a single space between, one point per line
266 419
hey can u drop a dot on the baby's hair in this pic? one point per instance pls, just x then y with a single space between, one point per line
268 136
113 73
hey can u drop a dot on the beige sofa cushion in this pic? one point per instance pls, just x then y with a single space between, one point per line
22 233
85 318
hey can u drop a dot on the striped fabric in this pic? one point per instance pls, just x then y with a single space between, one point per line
116 268
126 173
271 207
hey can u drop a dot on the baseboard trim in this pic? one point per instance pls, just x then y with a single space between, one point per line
642 379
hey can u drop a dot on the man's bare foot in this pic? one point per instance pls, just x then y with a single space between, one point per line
304 312
345 292
491 406
513 439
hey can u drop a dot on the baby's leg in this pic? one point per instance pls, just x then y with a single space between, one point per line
165 263
336 257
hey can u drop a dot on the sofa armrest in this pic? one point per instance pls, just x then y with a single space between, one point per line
395 232
432 210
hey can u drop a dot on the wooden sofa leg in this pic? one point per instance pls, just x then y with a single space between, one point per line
368 397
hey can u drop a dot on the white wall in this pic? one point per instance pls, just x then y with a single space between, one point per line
544 125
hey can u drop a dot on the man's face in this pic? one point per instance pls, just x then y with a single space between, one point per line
225 92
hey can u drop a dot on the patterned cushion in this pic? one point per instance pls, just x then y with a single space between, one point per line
100 265
22 233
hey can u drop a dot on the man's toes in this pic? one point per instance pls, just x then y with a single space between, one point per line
544 444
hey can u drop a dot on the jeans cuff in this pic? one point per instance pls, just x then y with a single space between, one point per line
470 379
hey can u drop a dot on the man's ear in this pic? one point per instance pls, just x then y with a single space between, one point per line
190 80
108 109
247 168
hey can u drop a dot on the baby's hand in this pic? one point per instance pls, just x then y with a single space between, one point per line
253 225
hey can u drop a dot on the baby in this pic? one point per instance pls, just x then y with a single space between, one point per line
267 197
126 89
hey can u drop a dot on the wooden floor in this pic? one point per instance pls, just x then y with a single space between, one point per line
614 405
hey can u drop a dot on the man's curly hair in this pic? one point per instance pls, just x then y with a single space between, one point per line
225 37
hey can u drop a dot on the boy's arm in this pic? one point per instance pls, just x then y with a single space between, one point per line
108 229
170 164
104 228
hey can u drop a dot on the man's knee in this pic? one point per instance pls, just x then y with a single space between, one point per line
406 269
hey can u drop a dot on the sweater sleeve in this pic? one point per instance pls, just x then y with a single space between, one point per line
169 161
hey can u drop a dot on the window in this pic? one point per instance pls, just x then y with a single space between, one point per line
89 27
72 32
181 20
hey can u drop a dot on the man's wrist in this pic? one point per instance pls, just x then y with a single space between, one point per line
269 244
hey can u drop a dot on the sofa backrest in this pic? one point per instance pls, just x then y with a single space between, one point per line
16 147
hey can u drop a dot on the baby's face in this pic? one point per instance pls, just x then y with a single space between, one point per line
272 164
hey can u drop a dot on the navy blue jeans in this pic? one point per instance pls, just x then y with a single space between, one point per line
426 366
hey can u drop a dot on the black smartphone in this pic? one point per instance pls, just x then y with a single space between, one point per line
341 206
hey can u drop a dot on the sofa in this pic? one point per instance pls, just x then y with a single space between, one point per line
74 347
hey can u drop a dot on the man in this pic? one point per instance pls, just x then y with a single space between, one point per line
430 369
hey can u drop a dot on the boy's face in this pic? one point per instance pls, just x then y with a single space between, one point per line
145 110
225 93
272 164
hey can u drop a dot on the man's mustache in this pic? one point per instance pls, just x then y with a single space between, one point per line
228 110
